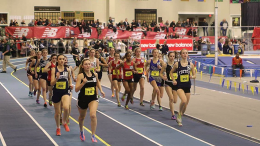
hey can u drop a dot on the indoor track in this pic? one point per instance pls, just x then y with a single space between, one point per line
23 122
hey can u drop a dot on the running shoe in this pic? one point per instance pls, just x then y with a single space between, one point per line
45 104
37 101
31 94
126 107
123 98
141 104
113 95
93 138
58 132
15 69
34 92
173 117
50 103
152 106
160 108
132 101
66 127
179 120
82 136
119 104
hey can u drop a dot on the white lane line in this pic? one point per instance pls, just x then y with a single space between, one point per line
126 126
2 139
29 115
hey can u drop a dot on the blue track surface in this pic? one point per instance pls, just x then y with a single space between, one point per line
114 123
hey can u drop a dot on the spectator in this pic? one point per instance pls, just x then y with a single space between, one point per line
12 23
62 22
213 27
109 21
126 23
178 24
165 50
7 54
237 63
144 24
220 47
75 52
23 23
39 23
134 25
183 24
24 38
194 33
1 49
35 22
224 27
172 25
13 48
187 23
31 23
176 36
41 45
228 48
153 24
241 48
157 28
23 49
60 46
3 21
138 23
74 23
171 36
135 44
158 46
205 29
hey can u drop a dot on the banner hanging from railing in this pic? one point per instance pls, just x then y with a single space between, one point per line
49 32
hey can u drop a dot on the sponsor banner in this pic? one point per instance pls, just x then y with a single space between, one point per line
173 44
120 34
49 32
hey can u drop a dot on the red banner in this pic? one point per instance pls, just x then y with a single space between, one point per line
49 32
120 34
173 44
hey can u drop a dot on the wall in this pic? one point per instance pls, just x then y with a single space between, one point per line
26 7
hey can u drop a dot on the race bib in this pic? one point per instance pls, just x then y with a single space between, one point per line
116 73
42 69
38 69
61 85
239 50
131 67
229 51
140 70
128 73
90 91
32 69
92 69
155 73
175 75
184 78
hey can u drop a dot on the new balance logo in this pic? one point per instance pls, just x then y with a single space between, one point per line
159 36
111 34
18 32
50 32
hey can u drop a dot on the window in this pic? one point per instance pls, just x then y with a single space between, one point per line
48 15
235 21
148 15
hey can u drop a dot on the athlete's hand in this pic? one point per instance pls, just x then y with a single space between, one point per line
103 94
147 79
71 87
159 66
191 77
164 78
57 75
174 83
74 79
36 75
25 68
85 80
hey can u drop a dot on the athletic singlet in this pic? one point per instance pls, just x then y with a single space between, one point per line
113 70
93 65
38 69
29 62
183 79
42 64
155 71
168 69
100 66
62 85
140 66
128 71
229 50
89 89
240 49
49 72
110 59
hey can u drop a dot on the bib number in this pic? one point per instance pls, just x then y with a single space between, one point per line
90 91
174 75
42 70
128 73
32 69
38 69
140 70
92 69
239 50
61 85
229 51
116 73
184 78
155 73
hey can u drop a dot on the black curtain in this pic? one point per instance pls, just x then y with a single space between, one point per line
250 15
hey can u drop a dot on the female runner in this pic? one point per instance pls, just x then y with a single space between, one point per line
49 66
87 83
43 75
183 82
35 72
102 63
29 74
116 75
139 76
60 79
154 78
108 59
170 89
128 69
